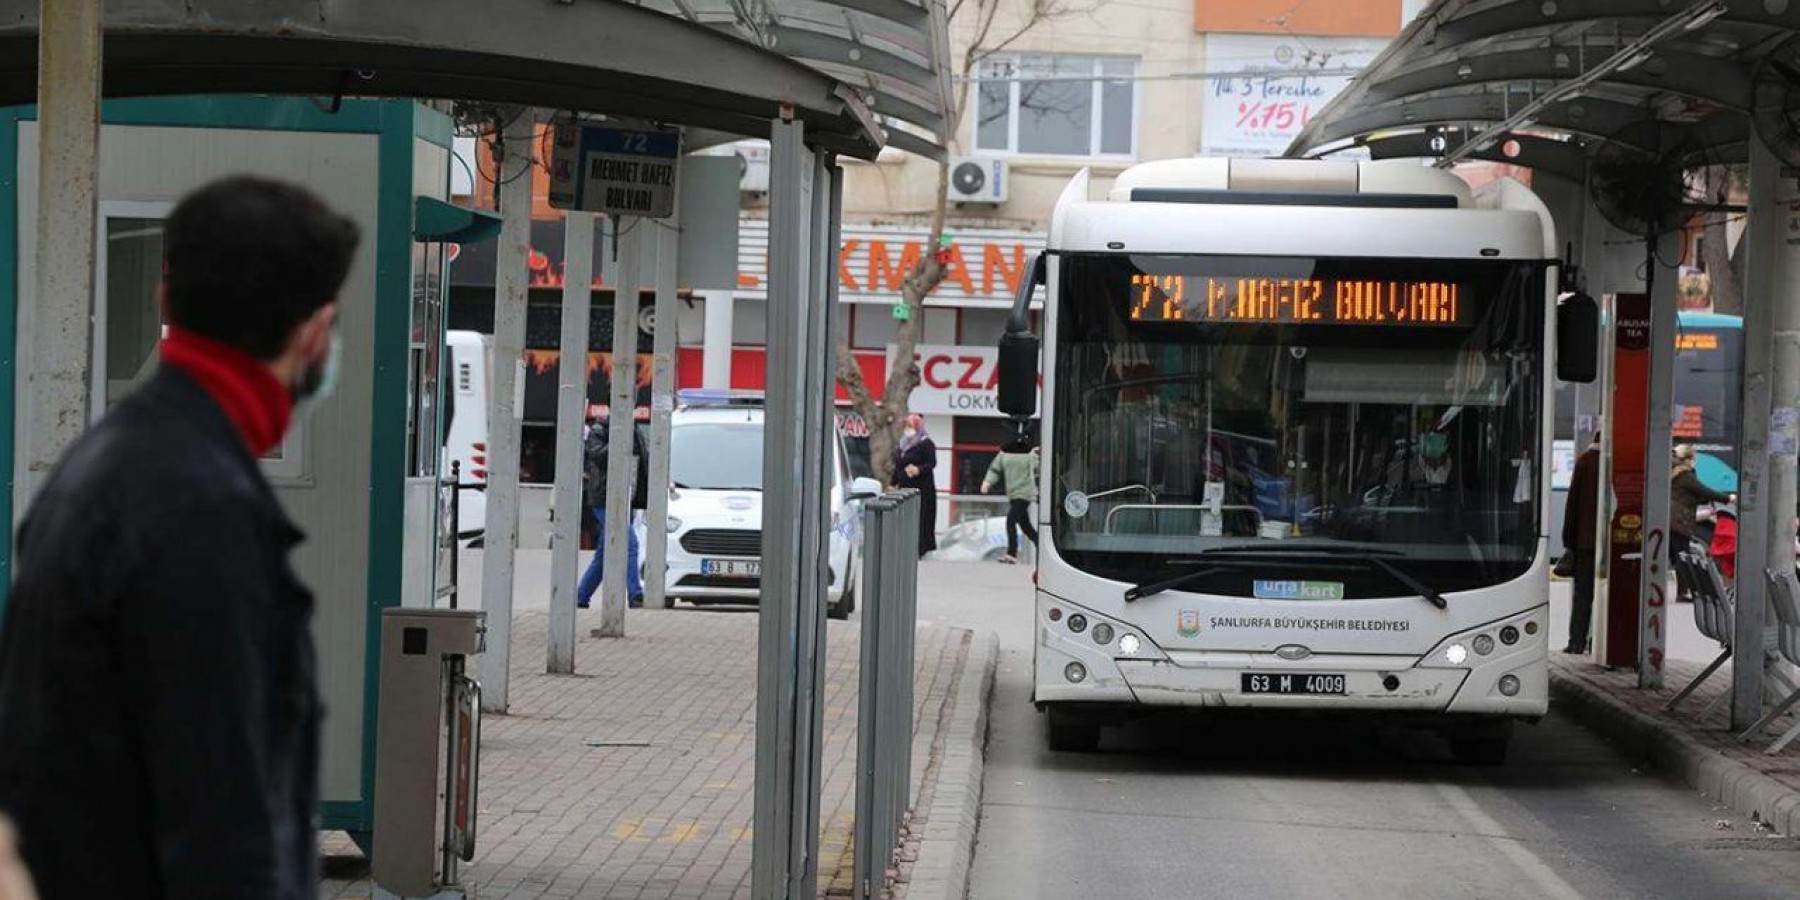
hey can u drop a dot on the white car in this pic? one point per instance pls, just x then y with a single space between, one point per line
715 506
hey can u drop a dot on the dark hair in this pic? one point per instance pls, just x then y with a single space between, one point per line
247 260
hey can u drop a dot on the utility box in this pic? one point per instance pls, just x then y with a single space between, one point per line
427 751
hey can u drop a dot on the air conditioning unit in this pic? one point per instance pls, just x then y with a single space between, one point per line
977 179
753 163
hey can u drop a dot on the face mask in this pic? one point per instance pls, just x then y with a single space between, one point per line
320 381
912 433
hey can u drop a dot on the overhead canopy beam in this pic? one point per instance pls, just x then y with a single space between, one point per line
1561 158
1510 18
1593 117
607 57
1695 75
807 44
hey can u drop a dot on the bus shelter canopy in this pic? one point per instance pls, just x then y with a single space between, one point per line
1540 83
857 73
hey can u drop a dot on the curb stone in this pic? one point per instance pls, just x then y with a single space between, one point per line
945 833
1678 755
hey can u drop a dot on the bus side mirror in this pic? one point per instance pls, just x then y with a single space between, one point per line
1018 364
1577 338
1018 360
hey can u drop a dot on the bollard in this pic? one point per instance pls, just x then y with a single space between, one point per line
885 709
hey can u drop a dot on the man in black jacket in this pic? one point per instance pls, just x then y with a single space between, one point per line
593 495
159 717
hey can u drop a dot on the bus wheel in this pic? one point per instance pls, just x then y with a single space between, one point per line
1072 732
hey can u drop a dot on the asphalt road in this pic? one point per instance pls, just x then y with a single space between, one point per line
1187 807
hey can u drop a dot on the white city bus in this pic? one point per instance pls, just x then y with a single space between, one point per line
1295 433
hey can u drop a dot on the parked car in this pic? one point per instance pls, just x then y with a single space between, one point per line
715 505
973 540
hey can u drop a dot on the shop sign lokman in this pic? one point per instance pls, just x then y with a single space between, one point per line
982 269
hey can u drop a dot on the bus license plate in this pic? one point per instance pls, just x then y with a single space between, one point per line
1293 683
732 568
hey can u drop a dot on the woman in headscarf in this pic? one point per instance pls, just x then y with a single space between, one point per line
915 462
1686 495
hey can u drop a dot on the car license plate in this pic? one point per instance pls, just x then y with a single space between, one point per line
732 568
1293 683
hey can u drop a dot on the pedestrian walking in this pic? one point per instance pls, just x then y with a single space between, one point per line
593 486
1581 514
915 466
1015 471
1686 495
159 709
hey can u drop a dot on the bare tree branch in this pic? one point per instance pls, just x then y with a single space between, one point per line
885 415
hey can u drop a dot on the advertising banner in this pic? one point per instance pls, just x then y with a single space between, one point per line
1268 87
1628 420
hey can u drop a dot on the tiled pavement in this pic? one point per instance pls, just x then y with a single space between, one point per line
1695 743
633 778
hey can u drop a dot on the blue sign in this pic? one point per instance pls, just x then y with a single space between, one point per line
1298 590
613 170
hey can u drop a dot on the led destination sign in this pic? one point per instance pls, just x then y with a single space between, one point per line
1250 299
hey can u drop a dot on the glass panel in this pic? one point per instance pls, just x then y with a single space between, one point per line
717 456
1212 402
1116 105
1056 114
134 252
427 360
993 106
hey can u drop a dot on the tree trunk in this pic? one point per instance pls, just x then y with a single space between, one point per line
886 415
1727 295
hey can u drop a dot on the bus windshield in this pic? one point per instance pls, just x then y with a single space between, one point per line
1386 406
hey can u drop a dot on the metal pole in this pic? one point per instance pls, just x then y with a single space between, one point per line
662 403
1653 574
61 337
715 369
796 426
571 410
511 274
621 466
1757 527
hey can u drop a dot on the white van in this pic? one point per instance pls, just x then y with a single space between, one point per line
714 551
466 405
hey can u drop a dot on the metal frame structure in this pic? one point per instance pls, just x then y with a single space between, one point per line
1544 85
822 79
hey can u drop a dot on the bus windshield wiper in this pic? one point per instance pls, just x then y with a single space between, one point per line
1150 588
1425 591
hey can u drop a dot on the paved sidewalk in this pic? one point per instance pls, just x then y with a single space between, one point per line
633 778
1694 744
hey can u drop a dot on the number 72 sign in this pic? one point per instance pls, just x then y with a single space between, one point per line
618 171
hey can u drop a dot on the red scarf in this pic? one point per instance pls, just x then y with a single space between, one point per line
252 397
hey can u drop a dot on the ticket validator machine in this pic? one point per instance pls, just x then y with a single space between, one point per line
427 751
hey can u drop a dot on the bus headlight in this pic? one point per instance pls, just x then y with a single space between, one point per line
1509 685
1130 644
1457 654
1103 633
1075 672
1484 644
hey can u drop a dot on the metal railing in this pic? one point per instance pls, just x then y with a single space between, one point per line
884 726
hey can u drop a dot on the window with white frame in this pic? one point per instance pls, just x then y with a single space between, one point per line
1056 105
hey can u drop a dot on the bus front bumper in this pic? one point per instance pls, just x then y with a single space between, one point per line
1510 680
